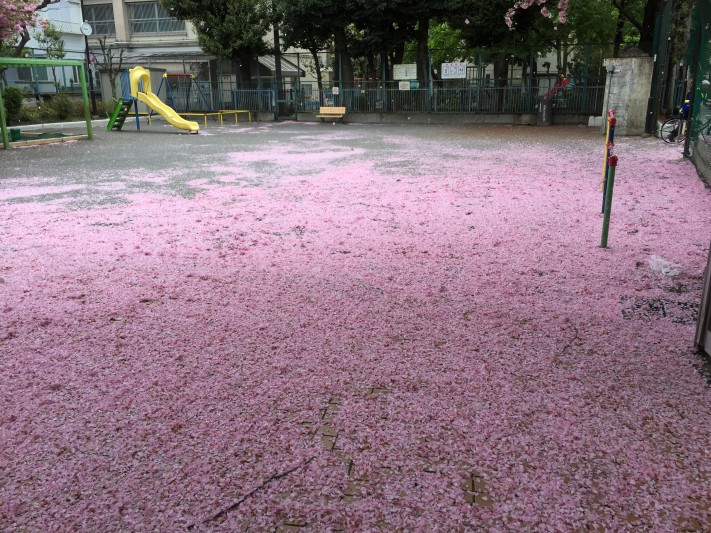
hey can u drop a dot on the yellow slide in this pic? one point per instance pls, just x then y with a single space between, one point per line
139 74
167 112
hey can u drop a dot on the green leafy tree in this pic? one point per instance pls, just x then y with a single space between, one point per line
380 33
325 19
309 36
482 27
446 45
51 42
230 29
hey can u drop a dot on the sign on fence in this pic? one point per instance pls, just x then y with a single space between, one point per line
454 71
406 71
404 85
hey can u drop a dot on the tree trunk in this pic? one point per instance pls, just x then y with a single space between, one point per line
317 65
669 79
343 58
646 34
619 31
371 73
244 60
501 72
423 52
24 39
398 54
278 82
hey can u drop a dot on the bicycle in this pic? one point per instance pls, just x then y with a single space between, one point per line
673 130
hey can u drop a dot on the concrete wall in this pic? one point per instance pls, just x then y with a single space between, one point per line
627 92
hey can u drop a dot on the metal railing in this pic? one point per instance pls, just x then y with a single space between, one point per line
469 100
519 96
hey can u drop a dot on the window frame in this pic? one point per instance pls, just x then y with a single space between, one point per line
96 24
176 26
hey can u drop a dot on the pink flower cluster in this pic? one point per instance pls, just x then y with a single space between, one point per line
15 17
562 10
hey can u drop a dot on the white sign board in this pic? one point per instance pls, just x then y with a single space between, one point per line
407 71
335 91
404 85
452 71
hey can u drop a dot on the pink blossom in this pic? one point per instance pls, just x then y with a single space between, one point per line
525 4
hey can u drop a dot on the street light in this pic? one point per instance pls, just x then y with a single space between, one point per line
87 30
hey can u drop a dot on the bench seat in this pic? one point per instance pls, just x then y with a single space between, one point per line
331 112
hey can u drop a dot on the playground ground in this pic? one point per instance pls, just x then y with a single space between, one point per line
314 327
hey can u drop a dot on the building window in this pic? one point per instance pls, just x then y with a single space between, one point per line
151 17
24 73
101 18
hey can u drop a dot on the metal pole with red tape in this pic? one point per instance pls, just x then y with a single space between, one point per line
611 166
609 147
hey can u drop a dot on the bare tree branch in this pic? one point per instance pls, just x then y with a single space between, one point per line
626 14
239 502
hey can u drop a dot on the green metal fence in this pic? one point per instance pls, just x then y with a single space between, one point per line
473 99
699 58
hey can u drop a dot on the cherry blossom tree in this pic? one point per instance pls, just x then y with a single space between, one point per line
641 16
560 12
16 19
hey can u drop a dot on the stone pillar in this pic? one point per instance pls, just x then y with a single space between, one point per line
123 32
627 90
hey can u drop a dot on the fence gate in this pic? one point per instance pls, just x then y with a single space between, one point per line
286 108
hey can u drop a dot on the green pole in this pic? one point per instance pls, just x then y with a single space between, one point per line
3 124
612 162
85 95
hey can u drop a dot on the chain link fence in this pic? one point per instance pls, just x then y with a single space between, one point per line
699 57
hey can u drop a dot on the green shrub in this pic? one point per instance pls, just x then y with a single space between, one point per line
62 106
78 108
13 103
46 111
105 108
29 115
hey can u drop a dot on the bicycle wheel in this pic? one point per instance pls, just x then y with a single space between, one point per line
670 131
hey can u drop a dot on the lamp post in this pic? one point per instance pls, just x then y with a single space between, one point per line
87 30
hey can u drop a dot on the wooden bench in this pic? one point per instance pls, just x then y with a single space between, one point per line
331 112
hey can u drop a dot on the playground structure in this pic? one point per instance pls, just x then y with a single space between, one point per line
6 62
139 81
184 94
135 81
180 89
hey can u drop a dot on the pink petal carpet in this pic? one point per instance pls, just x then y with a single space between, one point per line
355 328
